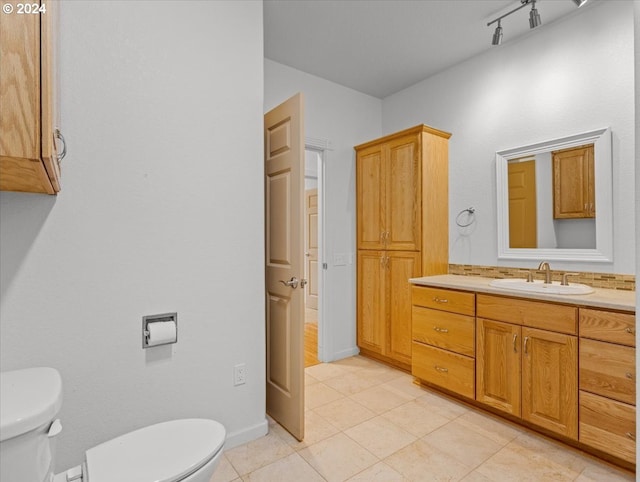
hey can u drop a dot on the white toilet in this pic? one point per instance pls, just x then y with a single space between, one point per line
180 450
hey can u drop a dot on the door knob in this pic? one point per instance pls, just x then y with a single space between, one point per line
293 282
303 283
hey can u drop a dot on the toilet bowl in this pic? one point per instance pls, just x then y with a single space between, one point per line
186 450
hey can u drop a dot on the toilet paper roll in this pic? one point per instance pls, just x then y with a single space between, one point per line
162 332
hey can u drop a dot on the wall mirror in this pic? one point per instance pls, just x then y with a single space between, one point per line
554 199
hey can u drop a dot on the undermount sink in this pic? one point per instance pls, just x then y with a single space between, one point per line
539 286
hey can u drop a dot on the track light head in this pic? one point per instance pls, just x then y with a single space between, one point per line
580 3
534 16
497 35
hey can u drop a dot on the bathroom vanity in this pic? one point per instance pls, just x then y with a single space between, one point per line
560 364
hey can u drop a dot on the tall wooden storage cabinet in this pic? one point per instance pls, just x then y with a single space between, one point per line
29 160
402 232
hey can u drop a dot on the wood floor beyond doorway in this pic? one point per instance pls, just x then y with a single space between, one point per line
311 338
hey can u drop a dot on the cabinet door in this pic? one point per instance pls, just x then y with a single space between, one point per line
400 266
550 381
573 183
371 301
370 198
498 365
403 189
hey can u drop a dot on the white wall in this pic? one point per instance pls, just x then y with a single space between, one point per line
346 118
161 210
564 78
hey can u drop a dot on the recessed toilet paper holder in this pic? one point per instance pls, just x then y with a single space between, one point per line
150 319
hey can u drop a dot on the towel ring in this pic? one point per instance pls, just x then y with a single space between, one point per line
470 210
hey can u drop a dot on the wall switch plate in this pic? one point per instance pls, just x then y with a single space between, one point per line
239 374
339 259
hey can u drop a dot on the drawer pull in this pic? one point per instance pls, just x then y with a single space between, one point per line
440 300
629 375
440 330
630 330
441 369
631 436
515 346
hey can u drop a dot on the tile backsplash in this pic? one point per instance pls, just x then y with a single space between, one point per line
596 280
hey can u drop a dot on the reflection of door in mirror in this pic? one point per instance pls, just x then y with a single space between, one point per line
573 183
522 203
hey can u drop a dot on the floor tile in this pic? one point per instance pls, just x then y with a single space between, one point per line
318 394
380 436
460 443
420 461
406 385
380 398
258 453
344 413
379 472
509 465
415 418
324 371
224 471
600 471
540 447
292 468
442 405
316 428
352 383
338 458
497 430
309 380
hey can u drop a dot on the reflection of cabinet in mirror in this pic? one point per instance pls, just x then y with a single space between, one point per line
573 183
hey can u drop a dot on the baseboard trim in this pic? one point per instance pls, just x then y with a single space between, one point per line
344 354
247 434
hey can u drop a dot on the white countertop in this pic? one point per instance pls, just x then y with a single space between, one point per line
601 298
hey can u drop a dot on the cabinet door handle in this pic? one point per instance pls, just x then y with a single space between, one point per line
631 436
515 346
629 375
58 135
441 369
440 330
440 300
526 344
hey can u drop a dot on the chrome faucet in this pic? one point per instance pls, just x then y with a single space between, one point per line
544 266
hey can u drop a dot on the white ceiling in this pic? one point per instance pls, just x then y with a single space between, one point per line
380 47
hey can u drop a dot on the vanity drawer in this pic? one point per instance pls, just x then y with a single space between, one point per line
450 331
535 314
442 299
609 370
608 425
608 326
444 368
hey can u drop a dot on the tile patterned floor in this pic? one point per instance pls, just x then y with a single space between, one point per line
368 422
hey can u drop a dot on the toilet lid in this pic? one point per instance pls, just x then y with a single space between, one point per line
165 452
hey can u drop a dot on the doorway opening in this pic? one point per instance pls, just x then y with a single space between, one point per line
313 251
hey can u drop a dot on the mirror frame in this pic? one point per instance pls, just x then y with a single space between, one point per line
603 251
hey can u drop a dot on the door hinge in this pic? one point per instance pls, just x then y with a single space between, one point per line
324 266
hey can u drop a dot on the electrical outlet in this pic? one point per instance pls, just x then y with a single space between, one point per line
239 374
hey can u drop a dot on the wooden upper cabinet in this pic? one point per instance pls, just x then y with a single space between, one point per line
574 183
371 198
388 194
403 194
28 117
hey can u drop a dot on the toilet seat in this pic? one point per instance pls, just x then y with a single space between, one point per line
165 452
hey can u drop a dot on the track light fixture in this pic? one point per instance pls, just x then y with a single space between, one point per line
534 20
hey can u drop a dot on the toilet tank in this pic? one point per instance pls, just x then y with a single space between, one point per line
30 399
